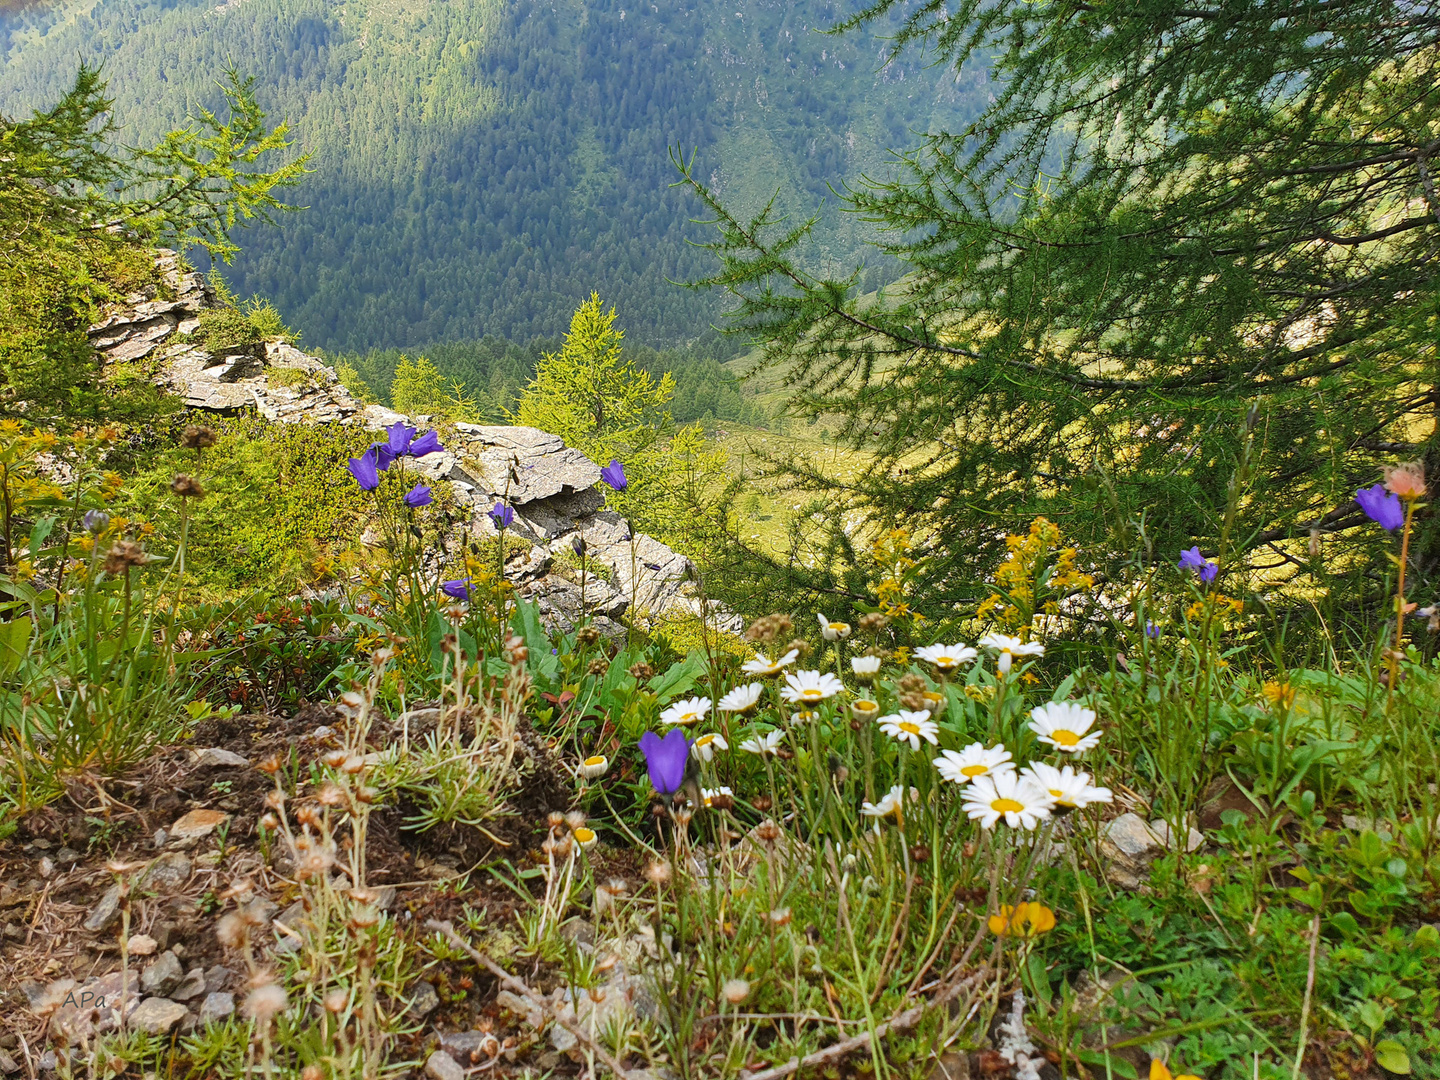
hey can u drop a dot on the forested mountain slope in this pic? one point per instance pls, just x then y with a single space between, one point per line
481 165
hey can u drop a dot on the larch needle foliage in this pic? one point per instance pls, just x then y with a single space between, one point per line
1169 213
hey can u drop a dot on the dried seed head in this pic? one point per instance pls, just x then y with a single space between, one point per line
275 799
574 819
780 917
336 1000
198 437
335 758
598 667
270 822
658 871
271 764
124 555
874 622
331 794
231 931
920 853
642 671
735 990
354 764
312 1072
266 1002
556 819
800 646
767 832
187 487
587 635
364 918
762 803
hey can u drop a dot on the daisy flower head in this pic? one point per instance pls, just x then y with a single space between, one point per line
764 744
585 837
723 793
686 712
1071 790
911 727
946 658
596 765
704 746
865 667
833 631
1019 800
1063 724
1007 648
864 709
742 699
975 761
766 668
891 804
810 687
803 716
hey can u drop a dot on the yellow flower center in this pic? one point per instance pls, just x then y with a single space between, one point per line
865 706
1065 738
1007 806
909 728
584 835
593 761
973 771
812 695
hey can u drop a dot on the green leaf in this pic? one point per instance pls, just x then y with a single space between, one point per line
1392 1057
1346 923
14 643
40 533
1118 1065
678 678
1398 869
1372 1015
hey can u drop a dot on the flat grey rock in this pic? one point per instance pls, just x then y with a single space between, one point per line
169 872
191 987
157 1016
102 915
217 1006
424 999
213 757
162 975
441 1066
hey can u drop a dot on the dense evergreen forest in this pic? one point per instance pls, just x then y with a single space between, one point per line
481 165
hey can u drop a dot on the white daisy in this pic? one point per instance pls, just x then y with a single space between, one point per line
585 837
947 658
742 699
1063 725
705 746
865 667
891 804
963 766
803 716
911 727
687 711
764 744
1069 789
810 687
833 631
864 709
1019 800
1008 648
594 766
709 794
762 664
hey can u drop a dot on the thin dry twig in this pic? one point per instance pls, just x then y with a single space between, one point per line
447 930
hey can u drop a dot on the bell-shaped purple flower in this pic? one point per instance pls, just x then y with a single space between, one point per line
577 545
503 515
456 590
400 434
429 443
614 475
95 521
383 455
1381 507
418 496
1152 630
1203 567
365 471
665 758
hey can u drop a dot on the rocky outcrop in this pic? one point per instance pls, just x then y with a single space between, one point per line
552 487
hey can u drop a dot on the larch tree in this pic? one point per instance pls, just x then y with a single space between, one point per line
1177 285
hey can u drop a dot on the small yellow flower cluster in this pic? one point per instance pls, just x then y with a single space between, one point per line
1025 570
890 551
1278 694
1222 605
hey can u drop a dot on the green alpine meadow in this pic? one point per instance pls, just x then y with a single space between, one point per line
719 539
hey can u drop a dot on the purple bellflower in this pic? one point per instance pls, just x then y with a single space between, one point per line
1204 568
503 515
383 455
1152 630
665 758
95 521
614 475
365 470
1381 507
456 590
400 434
429 443
418 496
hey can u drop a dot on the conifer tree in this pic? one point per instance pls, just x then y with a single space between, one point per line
1181 229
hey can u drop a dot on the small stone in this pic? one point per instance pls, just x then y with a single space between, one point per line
464 1046
159 839
104 911
217 1006
35 994
426 999
157 1016
48 1062
441 1066
47 867
197 824
1128 837
168 873
67 855
191 987
548 1061
1194 841
214 757
534 1015
161 976
142 945
7 1064
217 978
322 732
